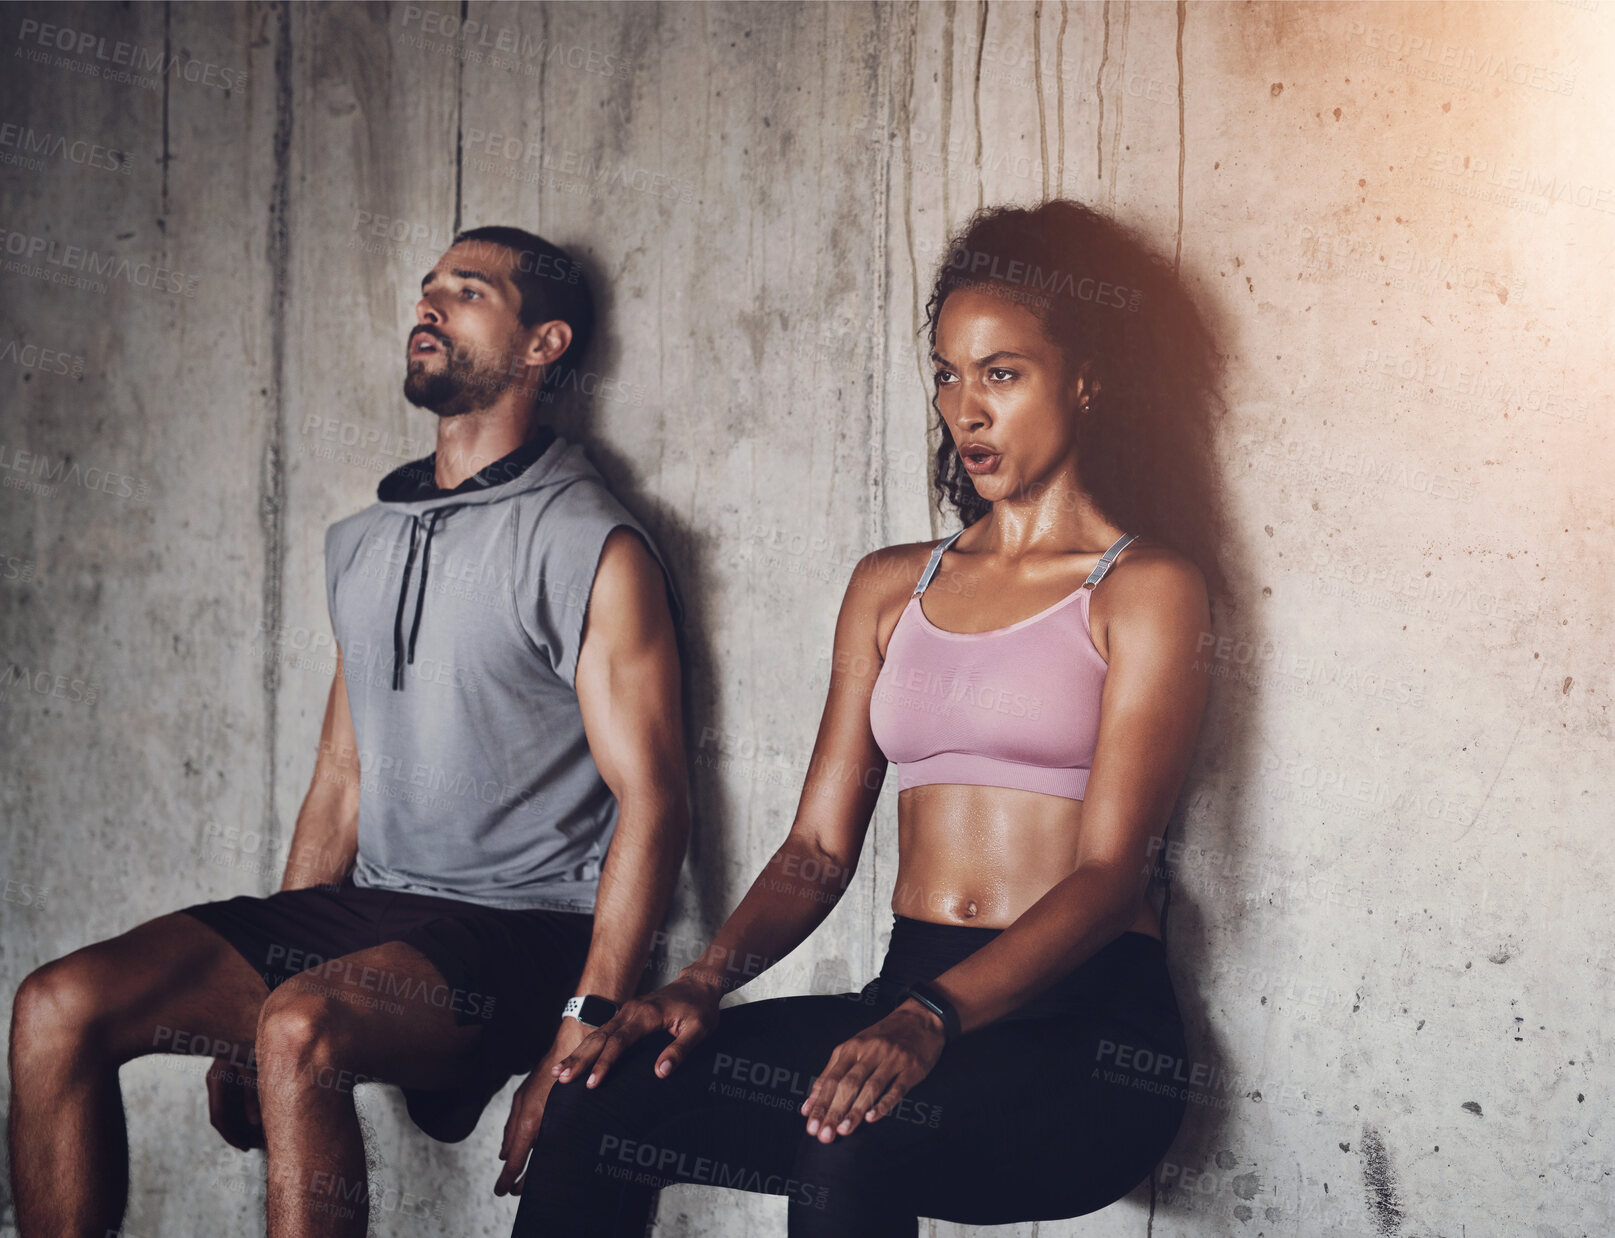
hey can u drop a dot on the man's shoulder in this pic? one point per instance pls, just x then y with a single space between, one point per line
351 529
562 532
576 491
584 506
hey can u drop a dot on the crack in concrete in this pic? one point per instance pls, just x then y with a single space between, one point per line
981 48
1177 251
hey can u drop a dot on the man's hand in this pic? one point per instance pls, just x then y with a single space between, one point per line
527 1108
232 1104
686 1007
868 1075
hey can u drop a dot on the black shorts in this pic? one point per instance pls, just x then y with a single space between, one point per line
511 971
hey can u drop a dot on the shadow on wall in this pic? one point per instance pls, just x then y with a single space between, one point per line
591 391
1161 465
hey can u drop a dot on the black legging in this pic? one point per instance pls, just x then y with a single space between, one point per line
1054 1110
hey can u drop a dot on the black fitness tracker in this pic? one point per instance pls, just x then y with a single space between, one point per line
931 997
589 1010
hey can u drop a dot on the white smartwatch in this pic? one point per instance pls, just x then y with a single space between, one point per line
589 1010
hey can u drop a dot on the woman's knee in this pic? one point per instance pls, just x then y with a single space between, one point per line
849 1188
618 1106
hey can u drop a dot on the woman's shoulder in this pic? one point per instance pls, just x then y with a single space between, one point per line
1155 558
892 570
900 564
1148 573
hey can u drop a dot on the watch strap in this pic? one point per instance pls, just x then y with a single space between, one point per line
934 1000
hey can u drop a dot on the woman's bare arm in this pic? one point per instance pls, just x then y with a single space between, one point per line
805 877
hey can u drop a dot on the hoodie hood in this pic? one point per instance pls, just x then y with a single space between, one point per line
413 486
411 490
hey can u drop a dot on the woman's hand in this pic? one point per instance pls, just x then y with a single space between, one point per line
868 1075
686 1007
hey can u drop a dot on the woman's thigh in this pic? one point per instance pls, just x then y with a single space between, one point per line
1017 1121
727 1115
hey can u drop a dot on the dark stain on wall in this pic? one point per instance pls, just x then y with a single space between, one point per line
1380 1182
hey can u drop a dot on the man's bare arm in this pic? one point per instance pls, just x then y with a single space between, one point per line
630 695
629 691
326 839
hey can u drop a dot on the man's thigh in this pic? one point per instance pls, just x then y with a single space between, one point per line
380 1014
170 985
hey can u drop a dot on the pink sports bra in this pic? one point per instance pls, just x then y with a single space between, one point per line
1010 707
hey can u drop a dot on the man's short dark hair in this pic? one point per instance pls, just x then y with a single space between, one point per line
552 285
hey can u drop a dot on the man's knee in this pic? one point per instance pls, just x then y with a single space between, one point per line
59 1013
300 1042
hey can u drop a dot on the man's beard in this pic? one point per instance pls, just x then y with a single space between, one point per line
468 383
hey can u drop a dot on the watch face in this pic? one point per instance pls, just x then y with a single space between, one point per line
591 1010
597 1010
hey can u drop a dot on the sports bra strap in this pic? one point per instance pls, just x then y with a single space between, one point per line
932 565
1094 577
1108 558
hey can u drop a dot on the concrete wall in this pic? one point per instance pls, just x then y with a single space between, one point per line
1390 916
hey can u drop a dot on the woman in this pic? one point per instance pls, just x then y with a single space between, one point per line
1014 1059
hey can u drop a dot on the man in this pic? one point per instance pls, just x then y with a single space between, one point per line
506 703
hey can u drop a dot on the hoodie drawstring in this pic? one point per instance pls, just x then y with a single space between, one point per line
401 656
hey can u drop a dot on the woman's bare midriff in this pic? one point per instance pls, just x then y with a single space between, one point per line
983 855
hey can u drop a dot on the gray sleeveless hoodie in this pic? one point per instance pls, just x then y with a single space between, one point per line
460 616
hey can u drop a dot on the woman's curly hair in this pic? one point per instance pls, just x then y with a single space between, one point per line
1145 445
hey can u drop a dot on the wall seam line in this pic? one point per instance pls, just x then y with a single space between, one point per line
272 494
